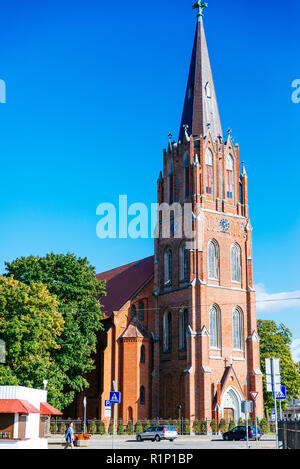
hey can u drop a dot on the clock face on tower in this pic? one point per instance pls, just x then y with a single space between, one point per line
224 224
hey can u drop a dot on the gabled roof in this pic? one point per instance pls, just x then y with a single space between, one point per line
135 330
200 111
124 282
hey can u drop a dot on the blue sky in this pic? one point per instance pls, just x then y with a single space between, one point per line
94 87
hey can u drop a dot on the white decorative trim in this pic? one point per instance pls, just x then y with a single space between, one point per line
257 372
204 332
224 213
206 369
189 370
215 358
227 288
238 359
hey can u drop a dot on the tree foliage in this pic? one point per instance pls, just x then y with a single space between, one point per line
275 341
73 281
30 325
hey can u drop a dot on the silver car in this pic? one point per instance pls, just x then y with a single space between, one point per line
158 433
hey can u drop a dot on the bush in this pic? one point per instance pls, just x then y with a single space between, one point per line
241 422
264 425
186 427
92 428
223 426
111 428
129 428
102 428
231 425
196 427
176 425
204 427
53 427
62 428
213 426
120 429
138 427
146 425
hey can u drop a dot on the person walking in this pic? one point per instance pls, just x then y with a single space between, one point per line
69 436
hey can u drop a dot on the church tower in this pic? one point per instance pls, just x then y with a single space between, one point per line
206 346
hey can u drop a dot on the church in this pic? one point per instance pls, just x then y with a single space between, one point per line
180 327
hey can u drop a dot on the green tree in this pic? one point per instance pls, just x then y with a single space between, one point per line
275 342
73 281
30 325
138 427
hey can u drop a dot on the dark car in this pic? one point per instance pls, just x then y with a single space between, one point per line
239 433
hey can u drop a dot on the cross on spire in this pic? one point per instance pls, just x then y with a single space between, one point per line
200 6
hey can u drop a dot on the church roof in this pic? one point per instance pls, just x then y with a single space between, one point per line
135 330
124 282
200 111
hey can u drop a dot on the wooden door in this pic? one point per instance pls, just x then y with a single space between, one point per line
229 415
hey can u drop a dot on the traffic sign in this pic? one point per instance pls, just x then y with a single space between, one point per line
115 397
107 404
280 395
247 407
273 415
273 378
254 395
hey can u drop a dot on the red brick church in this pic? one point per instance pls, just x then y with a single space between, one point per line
180 327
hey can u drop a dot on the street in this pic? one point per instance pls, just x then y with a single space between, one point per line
182 443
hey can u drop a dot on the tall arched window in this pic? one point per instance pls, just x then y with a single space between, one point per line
167 331
143 356
215 327
238 329
183 326
213 260
184 259
141 311
170 182
209 172
142 395
133 311
236 268
186 176
230 177
168 266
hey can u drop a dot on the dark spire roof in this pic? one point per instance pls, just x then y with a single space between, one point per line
200 110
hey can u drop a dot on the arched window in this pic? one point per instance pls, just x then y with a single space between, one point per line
133 311
143 356
167 332
183 326
230 177
184 259
142 395
238 329
213 260
168 266
236 269
215 327
209 172
141 311
130 414
186 176
170 182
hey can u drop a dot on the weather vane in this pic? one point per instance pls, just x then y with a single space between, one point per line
200 6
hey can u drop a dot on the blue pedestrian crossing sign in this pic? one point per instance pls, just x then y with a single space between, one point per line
115 397
280 396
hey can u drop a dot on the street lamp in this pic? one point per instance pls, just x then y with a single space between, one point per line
179 407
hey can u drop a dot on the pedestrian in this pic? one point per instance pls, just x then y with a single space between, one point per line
69 436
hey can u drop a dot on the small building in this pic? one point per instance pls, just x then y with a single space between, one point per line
23 415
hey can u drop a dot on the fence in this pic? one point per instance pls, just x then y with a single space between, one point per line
98 427
289 433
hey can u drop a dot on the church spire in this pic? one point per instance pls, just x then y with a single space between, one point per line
200 111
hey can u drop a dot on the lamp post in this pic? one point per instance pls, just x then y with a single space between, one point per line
179 407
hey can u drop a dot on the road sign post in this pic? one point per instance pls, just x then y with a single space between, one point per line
84 414
247 407
254 395
273 379
115 399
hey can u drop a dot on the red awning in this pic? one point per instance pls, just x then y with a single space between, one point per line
47 409
17 406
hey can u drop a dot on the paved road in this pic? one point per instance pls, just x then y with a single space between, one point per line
182 443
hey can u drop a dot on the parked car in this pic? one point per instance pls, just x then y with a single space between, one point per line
239 433
158 433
